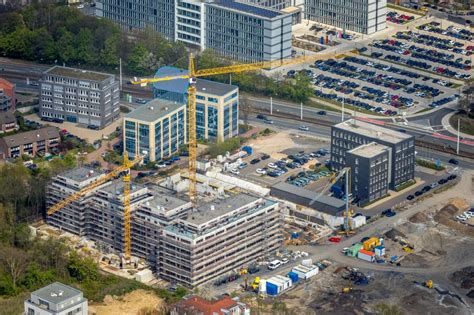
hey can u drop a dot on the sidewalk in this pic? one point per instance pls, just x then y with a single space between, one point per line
449 128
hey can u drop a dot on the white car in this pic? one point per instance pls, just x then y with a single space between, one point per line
261 171
284 261
81 6
274 264
461 218
272 165
304 128
161 165
234 171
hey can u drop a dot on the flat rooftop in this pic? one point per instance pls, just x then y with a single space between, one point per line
181 85
117 186
164 197
369 150
372 131
219 207
81 173
79 73
248 8
154 110
56 293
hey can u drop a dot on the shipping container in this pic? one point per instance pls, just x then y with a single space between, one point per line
305 272
358 221
307 262
354 249
273 289
293 276
366 255
371 243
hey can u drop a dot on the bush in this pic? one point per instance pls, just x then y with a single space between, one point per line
221 148
429 164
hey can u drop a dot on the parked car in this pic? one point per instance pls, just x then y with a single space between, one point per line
234 171
243 165
261 171
254 161
410 197
272 165
265 156
274 264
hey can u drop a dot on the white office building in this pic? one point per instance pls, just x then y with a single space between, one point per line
361 16
56 299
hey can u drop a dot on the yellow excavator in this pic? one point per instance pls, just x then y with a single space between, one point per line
429 284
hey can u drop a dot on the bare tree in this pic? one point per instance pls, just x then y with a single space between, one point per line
14 262
244 108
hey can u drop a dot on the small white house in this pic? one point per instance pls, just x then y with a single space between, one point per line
305 272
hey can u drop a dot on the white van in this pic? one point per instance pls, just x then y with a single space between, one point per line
274 264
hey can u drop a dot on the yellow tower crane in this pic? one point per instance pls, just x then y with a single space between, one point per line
193 74
125 167
127 164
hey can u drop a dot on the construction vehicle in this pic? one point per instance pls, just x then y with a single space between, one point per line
193 74
255 284
123 170
429 284
407 249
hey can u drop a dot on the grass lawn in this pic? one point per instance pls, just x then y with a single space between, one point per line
349 108
424 110
467 124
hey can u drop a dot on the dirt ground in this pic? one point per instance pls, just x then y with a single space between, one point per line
279 145
138 302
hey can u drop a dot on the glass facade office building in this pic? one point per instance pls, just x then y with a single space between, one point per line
361 16
156 130
240 30
217 104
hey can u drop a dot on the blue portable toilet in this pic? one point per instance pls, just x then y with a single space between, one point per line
293 276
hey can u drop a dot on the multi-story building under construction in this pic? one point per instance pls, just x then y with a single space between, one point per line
182 244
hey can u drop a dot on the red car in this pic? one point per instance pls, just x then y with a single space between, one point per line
335 239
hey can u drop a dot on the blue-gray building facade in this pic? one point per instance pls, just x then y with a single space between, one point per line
351 134
361 16
370 171
239 30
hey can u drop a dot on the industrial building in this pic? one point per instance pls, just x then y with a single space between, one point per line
85 97
30 142
361 16
56 299
229 229
156 130
370 171
353 133
242 30
217 104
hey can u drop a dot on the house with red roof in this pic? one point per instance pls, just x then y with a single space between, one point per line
196 305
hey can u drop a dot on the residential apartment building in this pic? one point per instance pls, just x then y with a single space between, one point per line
7 96
352 133
79 96
361 16
217 104
155 130
56 299
8 122
240 30
370 171
218 237
181 244
30 142
74 217
247 32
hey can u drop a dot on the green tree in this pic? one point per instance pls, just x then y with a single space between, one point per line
13 263
82 269
84 46
13 184
109 54
65 46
